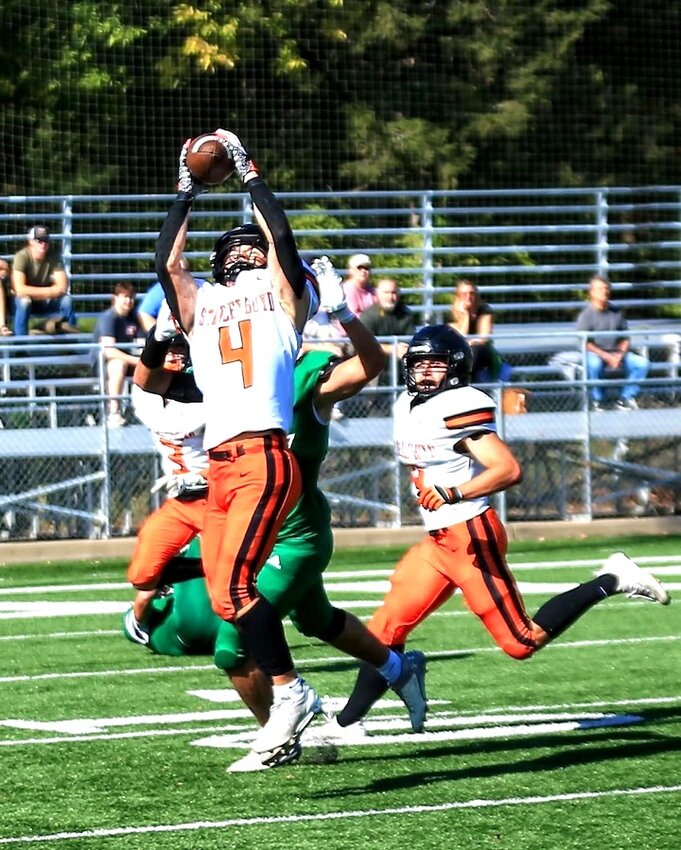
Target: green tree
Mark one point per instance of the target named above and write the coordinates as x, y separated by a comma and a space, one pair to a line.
98, 96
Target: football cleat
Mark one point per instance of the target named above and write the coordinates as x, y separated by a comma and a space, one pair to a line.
634, 581
252, 761
411, 688
292, 711
133, 630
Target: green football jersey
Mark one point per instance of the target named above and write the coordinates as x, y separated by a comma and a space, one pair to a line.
309, 439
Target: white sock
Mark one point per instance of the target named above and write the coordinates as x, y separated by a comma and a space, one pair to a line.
296, 687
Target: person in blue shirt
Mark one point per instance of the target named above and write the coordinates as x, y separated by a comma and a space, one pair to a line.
149, 307
117, 325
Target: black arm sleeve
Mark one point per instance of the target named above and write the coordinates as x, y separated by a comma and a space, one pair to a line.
284, 243
154, 352
164, 245
183, 388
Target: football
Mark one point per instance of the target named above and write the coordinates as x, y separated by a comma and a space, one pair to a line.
208, 160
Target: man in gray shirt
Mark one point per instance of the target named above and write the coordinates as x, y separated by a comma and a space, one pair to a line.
609, 352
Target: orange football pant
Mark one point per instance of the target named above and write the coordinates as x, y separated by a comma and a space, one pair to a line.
161, 536
470, 556
252, 485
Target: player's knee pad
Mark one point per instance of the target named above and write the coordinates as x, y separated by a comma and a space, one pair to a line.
228, 651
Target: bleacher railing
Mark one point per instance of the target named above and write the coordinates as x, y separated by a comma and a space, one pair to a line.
531, 250
65, 473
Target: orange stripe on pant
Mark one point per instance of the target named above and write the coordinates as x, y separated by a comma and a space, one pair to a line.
472, 557
161, 536
252, 486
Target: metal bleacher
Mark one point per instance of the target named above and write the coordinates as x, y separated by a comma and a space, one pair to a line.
530, 251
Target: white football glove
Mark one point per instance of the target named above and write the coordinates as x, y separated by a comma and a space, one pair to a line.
243, 162
187, 485
132, 629
185, 179
166, 327
331, 295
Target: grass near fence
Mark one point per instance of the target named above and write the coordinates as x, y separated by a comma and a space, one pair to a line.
107, 746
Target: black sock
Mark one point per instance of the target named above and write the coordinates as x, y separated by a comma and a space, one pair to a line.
369, 687
262, 636
559, 613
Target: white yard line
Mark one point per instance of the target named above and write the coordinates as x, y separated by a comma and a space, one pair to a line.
57, 635
32, 590
662, 564
200, 826
313, 662
21, 610
614, 606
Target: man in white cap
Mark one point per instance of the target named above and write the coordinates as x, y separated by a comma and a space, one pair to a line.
40, 286
359, 293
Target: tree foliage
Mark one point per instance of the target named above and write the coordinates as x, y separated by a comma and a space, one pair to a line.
341, 94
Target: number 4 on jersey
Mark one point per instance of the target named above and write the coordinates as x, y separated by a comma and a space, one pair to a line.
242, 353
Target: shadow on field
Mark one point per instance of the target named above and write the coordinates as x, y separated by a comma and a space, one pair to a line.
351, 663
595, 746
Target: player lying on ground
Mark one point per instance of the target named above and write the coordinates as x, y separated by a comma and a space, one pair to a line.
445, 432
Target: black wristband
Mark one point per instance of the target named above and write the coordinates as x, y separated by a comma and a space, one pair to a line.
154, 352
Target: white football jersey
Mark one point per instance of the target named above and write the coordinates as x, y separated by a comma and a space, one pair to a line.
177, 428
426, 436
243, 348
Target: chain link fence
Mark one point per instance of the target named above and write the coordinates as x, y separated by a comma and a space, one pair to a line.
65, 474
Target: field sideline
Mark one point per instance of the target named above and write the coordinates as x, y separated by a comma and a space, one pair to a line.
107, 746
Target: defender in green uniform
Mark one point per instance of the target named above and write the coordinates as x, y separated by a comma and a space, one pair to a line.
182, 621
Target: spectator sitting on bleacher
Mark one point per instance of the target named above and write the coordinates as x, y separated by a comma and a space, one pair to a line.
5, 273
153, 298
359, 293
473, 318
609, 352
119, 324
389, 316
41, 287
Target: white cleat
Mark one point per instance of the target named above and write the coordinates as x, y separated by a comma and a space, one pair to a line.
293, 708
634, 581
252, 761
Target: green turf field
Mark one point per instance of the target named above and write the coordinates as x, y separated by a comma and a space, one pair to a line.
107, 746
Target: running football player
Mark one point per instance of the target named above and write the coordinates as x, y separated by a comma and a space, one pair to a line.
445, 432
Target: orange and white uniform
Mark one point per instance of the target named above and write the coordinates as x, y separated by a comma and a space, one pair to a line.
244, 348
466, 543
424, 439
177, 428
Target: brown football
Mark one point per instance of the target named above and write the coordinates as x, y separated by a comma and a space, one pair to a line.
208, 160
